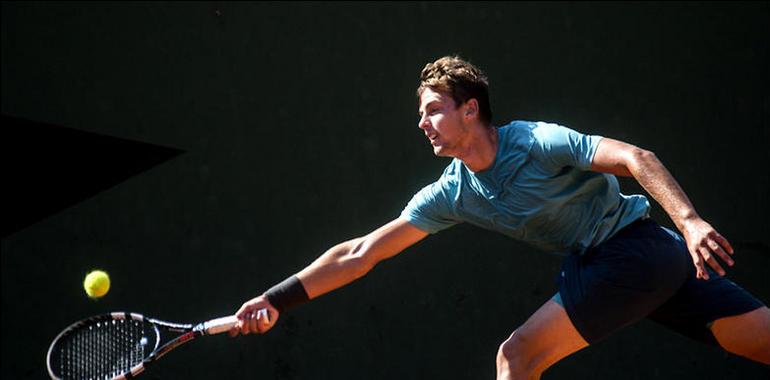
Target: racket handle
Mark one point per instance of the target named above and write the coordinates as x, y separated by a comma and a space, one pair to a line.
219, 325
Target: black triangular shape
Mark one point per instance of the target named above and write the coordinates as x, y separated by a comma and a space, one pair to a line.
47, 168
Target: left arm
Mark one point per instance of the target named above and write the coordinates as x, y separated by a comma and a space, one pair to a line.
703, 241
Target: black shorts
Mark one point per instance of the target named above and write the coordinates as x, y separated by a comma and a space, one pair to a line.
643, 271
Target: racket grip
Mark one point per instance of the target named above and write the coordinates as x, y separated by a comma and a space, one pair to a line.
219, 325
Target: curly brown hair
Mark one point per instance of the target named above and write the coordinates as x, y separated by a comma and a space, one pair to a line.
460, 79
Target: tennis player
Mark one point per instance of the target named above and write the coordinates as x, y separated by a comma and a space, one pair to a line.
555, 189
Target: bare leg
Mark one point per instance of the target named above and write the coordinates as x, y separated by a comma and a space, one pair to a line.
747, 335
545, 338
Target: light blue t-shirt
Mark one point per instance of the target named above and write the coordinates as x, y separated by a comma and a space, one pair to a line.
539, 190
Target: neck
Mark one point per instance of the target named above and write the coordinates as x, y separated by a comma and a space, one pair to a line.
479, 153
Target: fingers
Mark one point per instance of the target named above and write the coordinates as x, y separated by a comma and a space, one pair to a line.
723, 243
711, 261
700, 268
246, 324
259, 321
264, 316
252, 322
256, 316
241, 314
705, 254
706, 245
244, 310
716, 248
715, 244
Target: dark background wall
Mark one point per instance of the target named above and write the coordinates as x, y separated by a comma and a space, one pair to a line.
297, 124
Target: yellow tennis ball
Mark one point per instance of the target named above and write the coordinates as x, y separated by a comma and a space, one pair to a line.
97, 284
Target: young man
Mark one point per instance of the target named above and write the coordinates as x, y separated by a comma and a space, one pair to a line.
555, 189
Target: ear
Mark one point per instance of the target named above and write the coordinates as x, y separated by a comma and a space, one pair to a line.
471, 109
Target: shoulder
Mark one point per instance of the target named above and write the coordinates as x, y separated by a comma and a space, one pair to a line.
518, 127
452, 175
545, 131
546, 135
518, 135
562, 146
438, 194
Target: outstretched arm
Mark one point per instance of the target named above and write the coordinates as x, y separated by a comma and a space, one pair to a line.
703, 241
353, 259
337, 267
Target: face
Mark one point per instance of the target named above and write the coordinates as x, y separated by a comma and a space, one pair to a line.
442, 122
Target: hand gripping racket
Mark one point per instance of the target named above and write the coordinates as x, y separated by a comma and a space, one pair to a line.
120, 345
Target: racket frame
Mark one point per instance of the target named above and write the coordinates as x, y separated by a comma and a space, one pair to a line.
188, 332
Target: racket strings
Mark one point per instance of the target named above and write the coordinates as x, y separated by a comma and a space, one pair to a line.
105, 349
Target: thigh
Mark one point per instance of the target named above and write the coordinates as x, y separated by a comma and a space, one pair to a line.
623, 280
547, 337
699, 304
747, 334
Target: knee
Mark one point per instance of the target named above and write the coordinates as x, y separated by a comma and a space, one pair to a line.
514, 358
507, 350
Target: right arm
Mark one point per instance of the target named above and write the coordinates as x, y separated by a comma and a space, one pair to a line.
351, 260
337, 267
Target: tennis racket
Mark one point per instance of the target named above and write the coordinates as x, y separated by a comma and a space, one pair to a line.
120, 345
